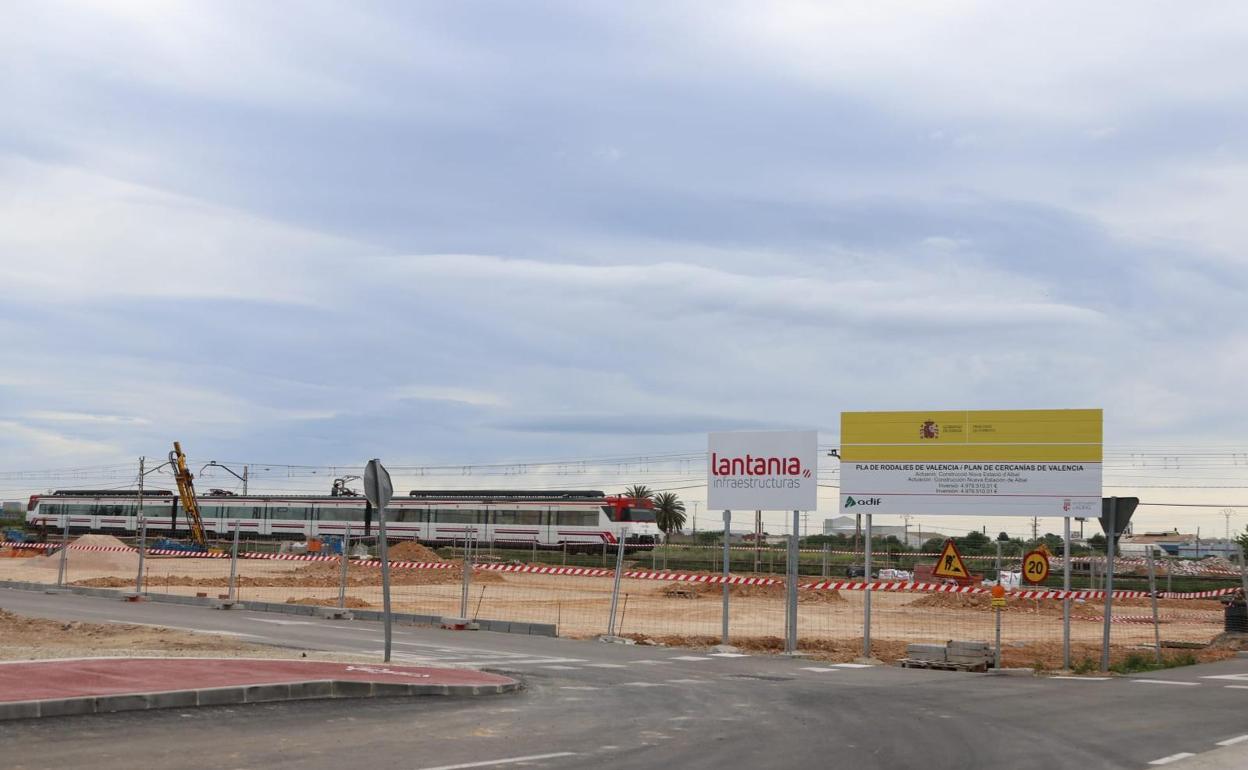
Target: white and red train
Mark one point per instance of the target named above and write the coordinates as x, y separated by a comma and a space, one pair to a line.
550, 518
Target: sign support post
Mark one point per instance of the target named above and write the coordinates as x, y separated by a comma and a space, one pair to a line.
138, 580
1109, 581
790, 642
1152, 592
234, 565
615, 588
727, 524
1066, 601
378, 489
866, 595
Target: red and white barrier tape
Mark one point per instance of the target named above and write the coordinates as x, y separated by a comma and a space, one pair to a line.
682, 577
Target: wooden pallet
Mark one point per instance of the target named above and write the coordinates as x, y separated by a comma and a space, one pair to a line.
942, 665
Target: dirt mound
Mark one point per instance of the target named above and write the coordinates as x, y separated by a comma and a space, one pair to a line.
101, 561
352, 602
23, 637
410, 550
682, 590
315, 575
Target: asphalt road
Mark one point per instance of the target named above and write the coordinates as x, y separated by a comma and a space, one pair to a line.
593, 704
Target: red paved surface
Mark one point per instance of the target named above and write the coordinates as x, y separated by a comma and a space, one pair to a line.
43, 680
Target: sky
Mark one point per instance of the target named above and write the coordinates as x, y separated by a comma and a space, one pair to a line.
311, 233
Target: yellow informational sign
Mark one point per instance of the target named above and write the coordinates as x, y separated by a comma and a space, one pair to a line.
950, 564
1034, 462
998, 600
1036, 566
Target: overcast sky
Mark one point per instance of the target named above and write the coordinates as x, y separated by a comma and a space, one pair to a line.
461, 232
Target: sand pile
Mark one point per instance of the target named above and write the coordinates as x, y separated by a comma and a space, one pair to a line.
695, 590
410, 550
315, 575
102, 561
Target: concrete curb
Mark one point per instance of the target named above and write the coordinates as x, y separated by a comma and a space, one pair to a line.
311, 610
323, 689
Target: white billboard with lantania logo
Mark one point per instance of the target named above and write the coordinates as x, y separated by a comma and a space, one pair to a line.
762, 470
1034, 462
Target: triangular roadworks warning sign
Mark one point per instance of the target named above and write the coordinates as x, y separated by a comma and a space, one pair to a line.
950, 564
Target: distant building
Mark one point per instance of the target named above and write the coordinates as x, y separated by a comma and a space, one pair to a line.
845, 525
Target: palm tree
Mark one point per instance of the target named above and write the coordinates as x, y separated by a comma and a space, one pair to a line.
669, 513
639, 492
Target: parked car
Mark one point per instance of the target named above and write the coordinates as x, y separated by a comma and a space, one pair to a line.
855, 571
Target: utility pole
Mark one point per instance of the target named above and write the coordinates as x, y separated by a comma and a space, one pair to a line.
905, 537
1035, 529
1227, 513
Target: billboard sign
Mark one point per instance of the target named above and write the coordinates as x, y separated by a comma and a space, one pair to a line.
762, 470
1036, 462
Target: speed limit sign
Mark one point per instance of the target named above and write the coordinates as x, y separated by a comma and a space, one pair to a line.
1036, 566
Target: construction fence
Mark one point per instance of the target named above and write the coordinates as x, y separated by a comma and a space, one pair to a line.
838, 616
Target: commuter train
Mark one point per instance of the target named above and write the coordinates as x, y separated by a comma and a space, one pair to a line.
549, 518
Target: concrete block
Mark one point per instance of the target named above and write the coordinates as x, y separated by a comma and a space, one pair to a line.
333, 613
932, 652
306, 690
27, 709
367, 615
391, 689
226, 604
259, 693
220, 696
349, 689
105, 704
541, 629
67, 707
520, 628
173, 700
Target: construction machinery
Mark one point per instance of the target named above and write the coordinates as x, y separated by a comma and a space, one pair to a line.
186, 490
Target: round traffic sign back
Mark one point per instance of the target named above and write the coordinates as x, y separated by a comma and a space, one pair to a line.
1036, 566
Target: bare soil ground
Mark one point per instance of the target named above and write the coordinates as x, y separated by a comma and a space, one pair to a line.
579, 606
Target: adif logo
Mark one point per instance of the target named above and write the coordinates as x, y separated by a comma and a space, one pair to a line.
850, 502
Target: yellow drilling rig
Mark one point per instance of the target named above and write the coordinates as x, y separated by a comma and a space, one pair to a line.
186, 490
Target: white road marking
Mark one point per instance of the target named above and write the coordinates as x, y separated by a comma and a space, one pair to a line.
606, 665
1083, 678
642, 684
688, 681
729, 655
654, 662
560, 668
1172, 758
580, 687
508, 761
691, 657
284, 622
1236, 686
852, 665
538, 661
1166, 681
1231, 677
1233, 741
817, 668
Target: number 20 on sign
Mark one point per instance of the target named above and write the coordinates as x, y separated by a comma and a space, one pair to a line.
1036, 566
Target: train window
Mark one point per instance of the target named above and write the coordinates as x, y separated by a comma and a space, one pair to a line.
565, 518
340, 513
285, 512
459, 516
528, 517
506, 517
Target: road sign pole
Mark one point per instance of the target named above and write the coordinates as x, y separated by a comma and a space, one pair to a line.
1066, 601
234, 565
727, 524
60, 570
138, 579
1109, 581
790, 643
827, 548
385, 576
1152, 592
997, 543
342, 582
866, 595
378, 488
